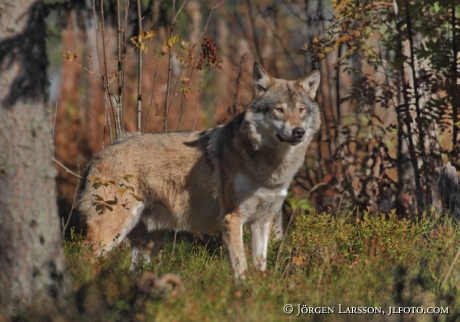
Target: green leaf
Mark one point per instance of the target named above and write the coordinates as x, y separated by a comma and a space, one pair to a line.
99, 208
111, 202
97, 197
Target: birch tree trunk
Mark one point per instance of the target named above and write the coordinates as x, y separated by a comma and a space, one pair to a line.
32, 268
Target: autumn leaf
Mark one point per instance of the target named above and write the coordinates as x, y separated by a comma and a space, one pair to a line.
171, 41
122, 191
148, 35
69, 56
139, 40
327, 178
298, 260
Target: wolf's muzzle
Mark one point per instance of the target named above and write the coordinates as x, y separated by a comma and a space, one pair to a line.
298, 133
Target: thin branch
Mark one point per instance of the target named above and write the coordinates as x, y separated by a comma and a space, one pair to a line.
254, 32
107, 93
139, 81
152, 93
453, 82
296, 211
178, 11
278, 255
197, 103
74, 203
67, 169
168, 86
450, 268
54, 121
125, 25
419, 121
209, 17
120, 67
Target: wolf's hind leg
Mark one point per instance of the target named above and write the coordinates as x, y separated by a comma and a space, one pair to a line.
111, 227
145, 244
277, 226
260, 232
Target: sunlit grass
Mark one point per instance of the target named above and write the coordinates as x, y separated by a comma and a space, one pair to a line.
326, 260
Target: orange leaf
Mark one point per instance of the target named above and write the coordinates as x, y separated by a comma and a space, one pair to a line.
327, 178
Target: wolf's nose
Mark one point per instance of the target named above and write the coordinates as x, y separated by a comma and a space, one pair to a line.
298, 132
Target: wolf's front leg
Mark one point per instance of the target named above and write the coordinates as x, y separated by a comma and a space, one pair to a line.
233, 237
260, 232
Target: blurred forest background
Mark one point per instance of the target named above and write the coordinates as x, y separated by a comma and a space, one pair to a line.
389, 96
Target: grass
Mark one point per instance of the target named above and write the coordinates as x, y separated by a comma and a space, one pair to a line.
326, 260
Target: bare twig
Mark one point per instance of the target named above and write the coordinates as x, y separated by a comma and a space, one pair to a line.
152, 94
108, 95
120, 62
197, 103
101, 136
168, 100
124, 58
254, 32
168, 86
294, 214
286, 269
451, 268
87, 70
209, 17
296, 211
316, 186
54, 121
74, 203
139, 81
341, 199
174, 243
104, 79
67, 169
196, 57
178, 11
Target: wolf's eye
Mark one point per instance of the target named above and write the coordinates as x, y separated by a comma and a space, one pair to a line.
279, 109
301, 109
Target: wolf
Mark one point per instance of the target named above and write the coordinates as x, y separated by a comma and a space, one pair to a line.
216, 180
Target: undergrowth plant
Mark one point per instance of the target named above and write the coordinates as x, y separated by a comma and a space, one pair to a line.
326, 260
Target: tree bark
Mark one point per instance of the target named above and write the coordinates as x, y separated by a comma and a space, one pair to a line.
447, 191
32, 267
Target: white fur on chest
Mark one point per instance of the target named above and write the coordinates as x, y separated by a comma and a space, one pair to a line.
256, 202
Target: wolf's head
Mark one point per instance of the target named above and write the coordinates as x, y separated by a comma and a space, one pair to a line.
283, 112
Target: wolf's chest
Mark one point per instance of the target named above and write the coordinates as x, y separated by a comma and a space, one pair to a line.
255, 201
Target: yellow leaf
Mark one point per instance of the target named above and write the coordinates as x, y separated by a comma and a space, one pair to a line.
69, 56
171, 41
184, 45
149, 35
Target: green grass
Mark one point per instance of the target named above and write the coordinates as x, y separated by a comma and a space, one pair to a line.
366, 261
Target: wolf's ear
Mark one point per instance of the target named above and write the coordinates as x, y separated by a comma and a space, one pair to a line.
310, 83
262, 80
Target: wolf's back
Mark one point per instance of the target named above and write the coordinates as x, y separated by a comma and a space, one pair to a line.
170, 171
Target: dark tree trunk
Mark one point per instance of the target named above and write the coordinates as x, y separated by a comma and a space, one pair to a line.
447, 191
32, 263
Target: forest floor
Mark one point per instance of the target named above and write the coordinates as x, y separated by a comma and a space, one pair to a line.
339, 267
